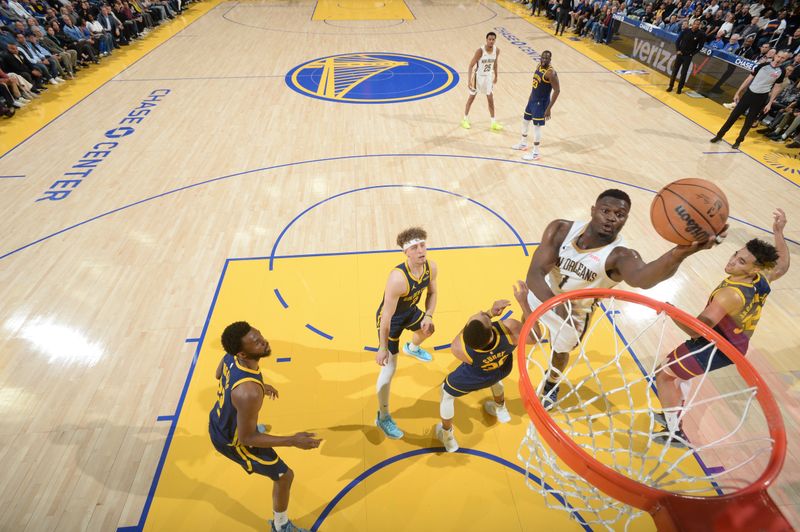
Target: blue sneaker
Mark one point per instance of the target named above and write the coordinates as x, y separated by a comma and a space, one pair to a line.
389, 427
288, 527
419, 354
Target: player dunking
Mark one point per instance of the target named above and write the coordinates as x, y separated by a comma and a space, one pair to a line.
399, 311
486, 351
540, 105
482, 76
733, 311
575, 255
233, 421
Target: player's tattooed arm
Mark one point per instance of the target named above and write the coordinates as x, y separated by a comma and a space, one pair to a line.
544, 260
554, 96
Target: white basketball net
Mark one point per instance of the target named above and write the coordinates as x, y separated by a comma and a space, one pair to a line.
607, 404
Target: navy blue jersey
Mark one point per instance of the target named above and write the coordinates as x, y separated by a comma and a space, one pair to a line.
414, 291
499, 352
222, 419
540, 87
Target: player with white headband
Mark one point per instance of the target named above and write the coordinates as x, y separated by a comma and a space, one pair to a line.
399, 311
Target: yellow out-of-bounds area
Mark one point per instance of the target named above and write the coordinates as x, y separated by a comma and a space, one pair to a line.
362, 10
358, 479
706, 113
59, 99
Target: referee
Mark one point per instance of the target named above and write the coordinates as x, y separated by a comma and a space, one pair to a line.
756, 94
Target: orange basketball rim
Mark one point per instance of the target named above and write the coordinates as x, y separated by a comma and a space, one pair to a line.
747, 509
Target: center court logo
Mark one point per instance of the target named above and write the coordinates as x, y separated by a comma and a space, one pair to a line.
371, 78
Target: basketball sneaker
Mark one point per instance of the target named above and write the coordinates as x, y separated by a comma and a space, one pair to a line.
288, 527
663, 436
549, 395
519, 146
496, 126
498, 411
389, 427
531, 156
465, 124
418, 353
447, 438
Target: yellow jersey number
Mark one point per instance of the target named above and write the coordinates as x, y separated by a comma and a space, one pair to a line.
491, 366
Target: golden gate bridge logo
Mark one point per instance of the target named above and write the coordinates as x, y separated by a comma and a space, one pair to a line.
371, 78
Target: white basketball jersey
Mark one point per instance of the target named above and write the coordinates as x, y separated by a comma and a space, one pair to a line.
486, 62
581, 268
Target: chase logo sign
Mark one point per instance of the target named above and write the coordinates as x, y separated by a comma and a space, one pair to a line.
371, 78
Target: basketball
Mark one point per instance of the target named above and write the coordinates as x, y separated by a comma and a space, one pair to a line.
689, 210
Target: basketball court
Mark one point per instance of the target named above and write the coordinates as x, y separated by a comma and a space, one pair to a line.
283, 147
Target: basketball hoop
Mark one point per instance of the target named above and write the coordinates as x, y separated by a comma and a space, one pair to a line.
604, 422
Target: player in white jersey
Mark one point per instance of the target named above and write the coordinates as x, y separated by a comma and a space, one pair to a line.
482, 75
575, 255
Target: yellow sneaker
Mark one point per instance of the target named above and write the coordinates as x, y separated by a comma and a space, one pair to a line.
497, 126
465, 124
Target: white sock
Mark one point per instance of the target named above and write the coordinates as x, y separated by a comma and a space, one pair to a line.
672, 421
466, 117
413, 347
535, 148
385, 383
279, 519
685, 387
493, 122
537, 134
447, 408
526, 125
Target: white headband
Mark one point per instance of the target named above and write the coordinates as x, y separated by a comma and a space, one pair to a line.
413, 242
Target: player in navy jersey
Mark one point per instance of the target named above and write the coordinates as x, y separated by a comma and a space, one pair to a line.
733, 310
486, 351
545, 89
399, 311
233, 421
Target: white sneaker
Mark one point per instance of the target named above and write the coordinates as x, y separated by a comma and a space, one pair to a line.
498, 411
531, 156
447, 438
519, 146
18, 104
23, 100
60, 79
730, 105
53, 81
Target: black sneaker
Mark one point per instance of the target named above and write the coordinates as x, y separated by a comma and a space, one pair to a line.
663, 436
764, 131
735, 145
549, 395
715, 139
669, 89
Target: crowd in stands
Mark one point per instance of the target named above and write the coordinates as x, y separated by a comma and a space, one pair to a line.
46, 42
756, 31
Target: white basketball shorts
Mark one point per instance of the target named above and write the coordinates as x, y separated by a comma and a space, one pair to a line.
483, 84
564, 335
